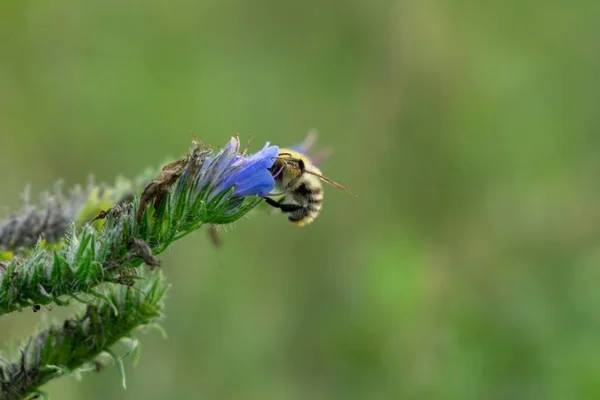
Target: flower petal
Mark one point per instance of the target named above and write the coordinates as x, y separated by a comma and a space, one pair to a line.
251, 175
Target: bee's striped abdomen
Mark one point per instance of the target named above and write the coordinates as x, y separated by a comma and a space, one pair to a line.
309, 195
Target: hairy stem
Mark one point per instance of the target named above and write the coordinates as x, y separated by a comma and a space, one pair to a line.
185, 195
60, 350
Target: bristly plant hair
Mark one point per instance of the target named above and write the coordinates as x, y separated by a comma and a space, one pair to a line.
98, 262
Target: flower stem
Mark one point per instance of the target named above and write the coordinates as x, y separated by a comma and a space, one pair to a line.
60, 350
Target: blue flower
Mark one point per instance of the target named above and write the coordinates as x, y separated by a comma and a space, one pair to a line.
247, 175
251, 175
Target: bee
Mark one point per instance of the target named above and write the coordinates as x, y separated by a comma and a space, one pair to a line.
300, 181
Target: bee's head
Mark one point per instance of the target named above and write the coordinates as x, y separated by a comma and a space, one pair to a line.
285, 167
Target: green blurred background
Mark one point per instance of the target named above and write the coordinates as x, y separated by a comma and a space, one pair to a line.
467, 268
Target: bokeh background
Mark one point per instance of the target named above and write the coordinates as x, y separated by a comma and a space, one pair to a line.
467, 268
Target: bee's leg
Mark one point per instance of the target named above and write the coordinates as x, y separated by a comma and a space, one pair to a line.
319, 157
271, 202
283, 207
290, 207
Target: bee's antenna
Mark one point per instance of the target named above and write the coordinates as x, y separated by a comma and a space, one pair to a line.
332, 183
287, 159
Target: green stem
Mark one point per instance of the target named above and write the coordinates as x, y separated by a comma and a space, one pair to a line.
63, 349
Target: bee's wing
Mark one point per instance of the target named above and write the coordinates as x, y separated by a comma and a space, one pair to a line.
305, 146
319, 157
310, 140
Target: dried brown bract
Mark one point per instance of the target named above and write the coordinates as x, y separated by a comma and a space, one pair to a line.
158, 187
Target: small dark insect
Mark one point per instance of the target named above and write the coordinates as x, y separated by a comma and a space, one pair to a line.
36, 307
101, 215
70, 325
115, 210
213, 234
98, 366
144, 251
127, 277
125, 281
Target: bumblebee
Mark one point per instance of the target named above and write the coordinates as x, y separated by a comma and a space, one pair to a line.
300, 182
